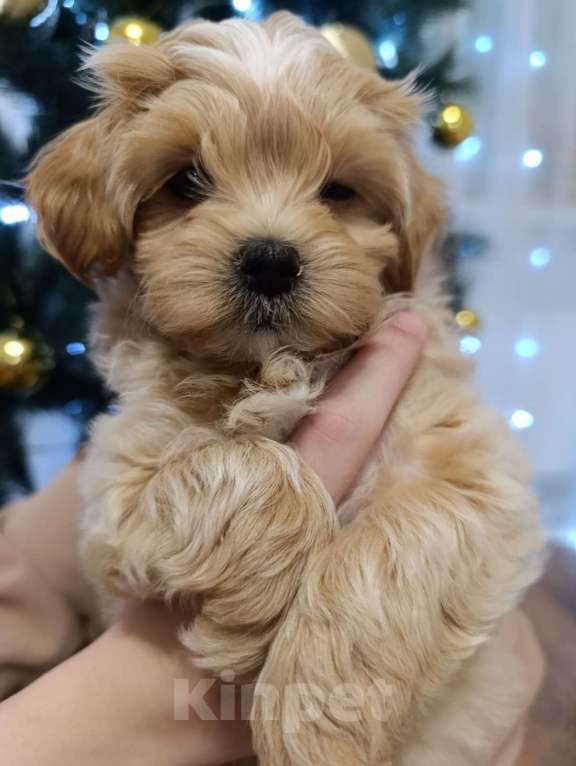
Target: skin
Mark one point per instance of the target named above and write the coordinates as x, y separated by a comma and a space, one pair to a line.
113, 702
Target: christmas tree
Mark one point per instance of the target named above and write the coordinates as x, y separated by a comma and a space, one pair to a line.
43, 315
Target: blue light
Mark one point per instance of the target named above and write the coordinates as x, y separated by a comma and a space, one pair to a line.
242, 6
399, 19
81, 18
73, 407
388, 53
101, 31
538, 59
68, 3
74, 349
532, 158
484, 44
527, 348
570, 538
469, 148
520, 420
470, 344
14, 213
540, 257
44, 15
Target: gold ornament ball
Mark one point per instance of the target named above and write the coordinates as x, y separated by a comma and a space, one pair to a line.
23, 363
134, 30
351, 43
19, 10
453, 125
467, 319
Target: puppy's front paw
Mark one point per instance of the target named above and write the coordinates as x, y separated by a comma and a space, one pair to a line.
283, 517
231, 524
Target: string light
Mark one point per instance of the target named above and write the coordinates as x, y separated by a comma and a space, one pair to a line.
526, 348
484, 44
74, 349
50, 7
540, 257
469, 148
538, 59
470, 344
101, 31
520, 420
242, 6
14, 213
532, 158
388, 53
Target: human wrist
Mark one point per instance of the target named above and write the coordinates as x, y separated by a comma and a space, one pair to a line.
180, 733
116, 703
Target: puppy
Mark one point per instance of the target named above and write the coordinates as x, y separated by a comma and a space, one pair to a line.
247, 204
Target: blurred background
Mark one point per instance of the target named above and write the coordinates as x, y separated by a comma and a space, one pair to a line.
500, 131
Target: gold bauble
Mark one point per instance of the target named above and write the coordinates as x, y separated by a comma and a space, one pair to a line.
132, 29
351, 43
19, 10
23, 362
452, 126
467, 319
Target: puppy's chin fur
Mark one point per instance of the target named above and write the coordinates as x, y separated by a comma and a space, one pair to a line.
192, 491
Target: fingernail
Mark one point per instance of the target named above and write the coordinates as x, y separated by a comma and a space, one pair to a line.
410, 322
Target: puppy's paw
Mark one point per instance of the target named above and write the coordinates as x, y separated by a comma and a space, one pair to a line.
258, 562
232, 525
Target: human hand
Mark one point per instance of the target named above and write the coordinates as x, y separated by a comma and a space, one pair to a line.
337, 439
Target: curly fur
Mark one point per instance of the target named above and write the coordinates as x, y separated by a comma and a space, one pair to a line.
193, 490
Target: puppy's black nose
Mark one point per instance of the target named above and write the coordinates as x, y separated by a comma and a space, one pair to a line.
268, 266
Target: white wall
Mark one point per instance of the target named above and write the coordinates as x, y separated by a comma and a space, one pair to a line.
518, 107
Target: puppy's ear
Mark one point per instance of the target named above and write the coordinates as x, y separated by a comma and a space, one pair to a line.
127, 74
399, 106
77, 223
67, 183
419, 227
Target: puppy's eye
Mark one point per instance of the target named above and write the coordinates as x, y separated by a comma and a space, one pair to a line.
192, 184
333, 191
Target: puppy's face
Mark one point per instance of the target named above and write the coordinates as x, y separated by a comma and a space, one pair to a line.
260, 187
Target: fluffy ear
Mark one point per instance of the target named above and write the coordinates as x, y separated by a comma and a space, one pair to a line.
120, 73
399, 106
77, 223
419, 227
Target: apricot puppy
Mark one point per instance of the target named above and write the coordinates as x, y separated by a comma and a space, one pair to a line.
248, 206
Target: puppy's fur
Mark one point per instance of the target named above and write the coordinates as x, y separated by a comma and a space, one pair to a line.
191, 489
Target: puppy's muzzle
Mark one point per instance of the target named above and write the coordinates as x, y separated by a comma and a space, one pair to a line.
268, 267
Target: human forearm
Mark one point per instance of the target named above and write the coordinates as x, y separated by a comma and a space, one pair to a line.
114, 703
44, 527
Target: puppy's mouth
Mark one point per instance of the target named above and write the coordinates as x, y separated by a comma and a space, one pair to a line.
262, 314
